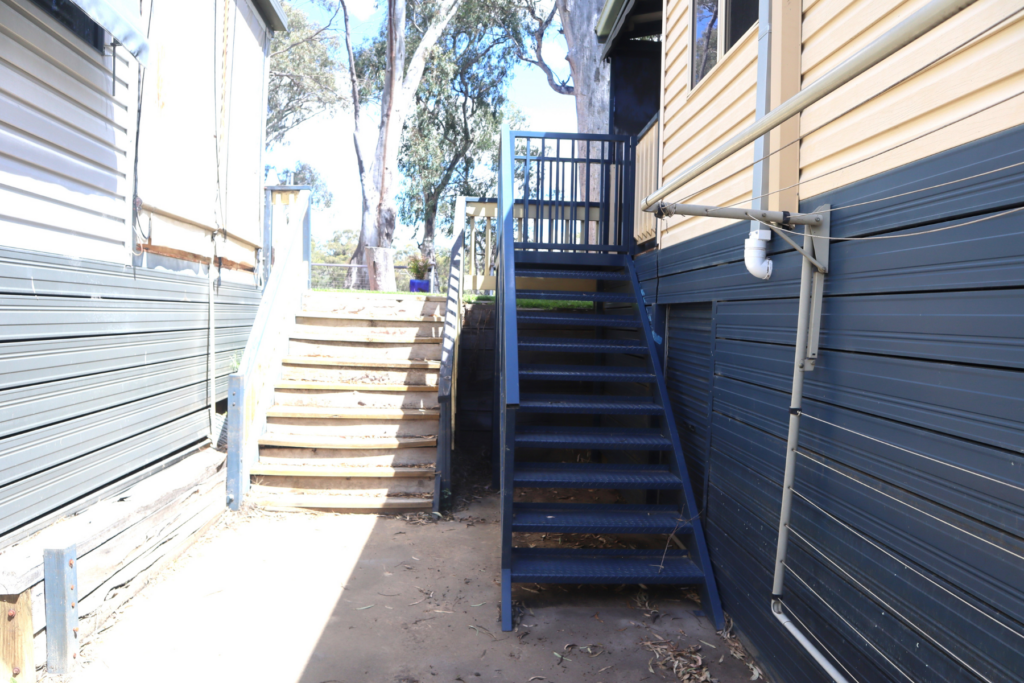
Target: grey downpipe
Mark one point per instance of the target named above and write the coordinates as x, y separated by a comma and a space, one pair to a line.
755, 247
899, 36
792, 438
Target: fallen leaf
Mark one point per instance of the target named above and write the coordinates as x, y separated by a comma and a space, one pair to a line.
362, 608
709, 644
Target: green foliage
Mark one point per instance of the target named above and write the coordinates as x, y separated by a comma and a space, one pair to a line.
303, 62
338, 249
450, 141
419, 267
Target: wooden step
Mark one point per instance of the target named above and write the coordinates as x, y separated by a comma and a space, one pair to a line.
351, 386
352, 457
380, 320
367, 335
303, 441
404, 400
340, 502
364, 375
340, 471
330, 361
329, 428
328, 412
368, 483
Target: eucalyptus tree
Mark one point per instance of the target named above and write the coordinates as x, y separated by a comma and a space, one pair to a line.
392, 90
449, 143
303, 63
589, 75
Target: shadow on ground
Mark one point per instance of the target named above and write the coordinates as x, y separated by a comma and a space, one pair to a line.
421, 605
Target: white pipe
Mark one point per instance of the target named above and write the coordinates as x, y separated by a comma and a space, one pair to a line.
755, 257
899, 36
813, 651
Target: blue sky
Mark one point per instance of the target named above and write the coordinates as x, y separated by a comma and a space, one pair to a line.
326, 142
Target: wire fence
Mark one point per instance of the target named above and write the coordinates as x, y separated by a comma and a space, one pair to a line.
339, 276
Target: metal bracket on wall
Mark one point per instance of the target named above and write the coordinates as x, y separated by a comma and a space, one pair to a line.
60, 581
819, 246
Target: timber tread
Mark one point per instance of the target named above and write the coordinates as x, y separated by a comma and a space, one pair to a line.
560, 344
526, 316
334, 362
604, 566
351, 386
589, 405
352, 503
585, 373
383, 319
263, 470
572, 518
339, 443
329, 412
594, 476
358, 335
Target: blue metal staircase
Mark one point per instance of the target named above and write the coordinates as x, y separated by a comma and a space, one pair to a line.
580, 399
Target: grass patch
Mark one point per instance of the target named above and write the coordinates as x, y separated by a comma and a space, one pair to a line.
543, 304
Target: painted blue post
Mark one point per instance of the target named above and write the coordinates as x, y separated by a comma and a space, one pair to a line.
307, 244
60, 590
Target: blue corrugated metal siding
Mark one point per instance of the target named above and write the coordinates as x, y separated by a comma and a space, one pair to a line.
688, 374
907, 548
102, 372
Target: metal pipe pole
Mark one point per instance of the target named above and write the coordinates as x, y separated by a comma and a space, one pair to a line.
802, 325
780, 217
899, 36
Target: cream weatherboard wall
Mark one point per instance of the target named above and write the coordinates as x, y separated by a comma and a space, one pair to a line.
918, 118
967, 95
696, 120
201, 139
66, 139
68, 118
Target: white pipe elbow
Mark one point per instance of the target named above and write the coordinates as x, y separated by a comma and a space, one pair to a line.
755, 256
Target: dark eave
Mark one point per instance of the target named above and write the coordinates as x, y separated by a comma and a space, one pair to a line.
637, 19
272, 13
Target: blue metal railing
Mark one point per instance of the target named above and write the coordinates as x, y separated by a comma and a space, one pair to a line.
574, 192
506, 348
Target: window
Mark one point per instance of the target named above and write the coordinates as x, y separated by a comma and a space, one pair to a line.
76, 21
717, 26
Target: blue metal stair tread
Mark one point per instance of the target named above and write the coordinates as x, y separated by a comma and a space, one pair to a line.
572, 518
583, 345
559, 295
557, 565
568, 259
598, 404
585, 373
593, 476
585, 319
572, 274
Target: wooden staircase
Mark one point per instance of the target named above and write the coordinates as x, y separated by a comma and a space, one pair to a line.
355, 417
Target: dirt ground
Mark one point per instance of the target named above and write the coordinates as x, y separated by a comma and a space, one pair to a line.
319, 598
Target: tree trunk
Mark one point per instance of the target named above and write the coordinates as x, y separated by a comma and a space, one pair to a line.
591, 76
380, 268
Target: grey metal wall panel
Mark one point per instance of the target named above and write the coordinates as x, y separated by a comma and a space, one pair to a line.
27, 317
102, 373
35, 496
983, 327
907, 540
39, 274
688, 376
37, 405
45, 360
